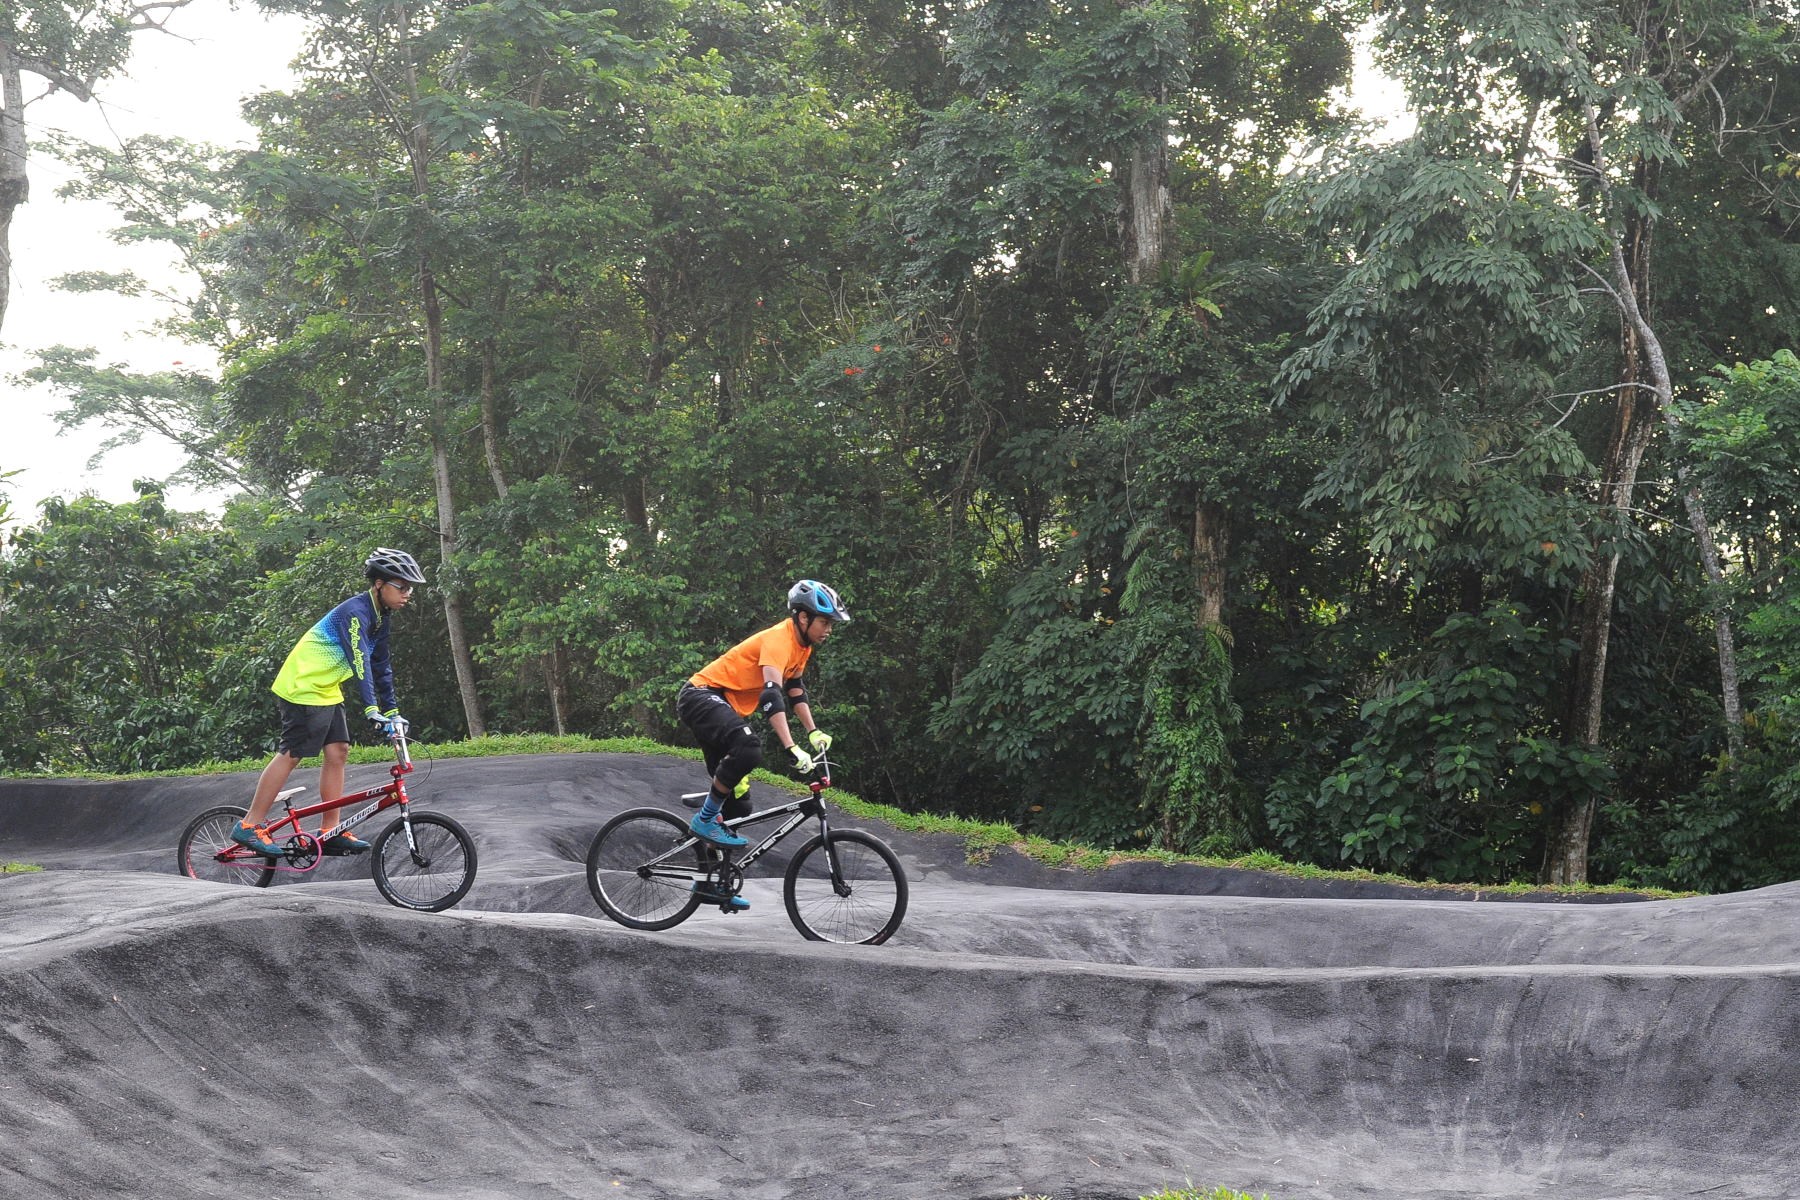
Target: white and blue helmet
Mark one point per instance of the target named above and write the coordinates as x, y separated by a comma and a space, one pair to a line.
809, 595
388, 563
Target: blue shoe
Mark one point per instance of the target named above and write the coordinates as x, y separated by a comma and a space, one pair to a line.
256, 841
341, 845
708, 829
728, 903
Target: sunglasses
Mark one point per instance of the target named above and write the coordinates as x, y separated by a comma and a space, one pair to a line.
404, 588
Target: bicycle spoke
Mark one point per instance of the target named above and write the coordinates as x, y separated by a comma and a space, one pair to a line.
863, 903
207, 852
437, 866
624, 880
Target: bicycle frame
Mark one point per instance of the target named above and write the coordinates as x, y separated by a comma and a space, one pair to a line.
796, 812
391, 794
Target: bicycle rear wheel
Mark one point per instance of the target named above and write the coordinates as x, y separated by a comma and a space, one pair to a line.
863, 904
207, 852
635, 873
430, 874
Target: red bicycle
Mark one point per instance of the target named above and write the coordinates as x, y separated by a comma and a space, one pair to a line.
423, 861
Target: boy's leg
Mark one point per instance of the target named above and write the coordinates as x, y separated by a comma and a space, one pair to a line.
273, 778
250, 833
732, 750
331, 783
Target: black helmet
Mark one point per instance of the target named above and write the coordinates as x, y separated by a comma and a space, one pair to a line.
387, 563
809, 595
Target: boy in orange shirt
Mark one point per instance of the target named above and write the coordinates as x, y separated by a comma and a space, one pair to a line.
762, 674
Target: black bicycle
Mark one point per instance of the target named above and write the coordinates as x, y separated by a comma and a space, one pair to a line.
843, 885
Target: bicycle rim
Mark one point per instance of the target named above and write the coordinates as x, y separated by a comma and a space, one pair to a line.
432, 873
624, 882
872, 901
207, 852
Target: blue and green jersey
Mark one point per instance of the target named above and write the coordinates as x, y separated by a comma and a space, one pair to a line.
349, 642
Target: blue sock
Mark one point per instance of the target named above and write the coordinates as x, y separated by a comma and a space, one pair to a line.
715, 803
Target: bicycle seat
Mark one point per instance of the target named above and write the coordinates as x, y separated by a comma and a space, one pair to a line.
694, 799
282, 796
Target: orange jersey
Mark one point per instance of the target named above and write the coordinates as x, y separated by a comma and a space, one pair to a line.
738, 671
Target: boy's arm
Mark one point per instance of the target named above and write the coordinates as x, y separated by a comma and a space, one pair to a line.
359, 644
777, 707
383, 671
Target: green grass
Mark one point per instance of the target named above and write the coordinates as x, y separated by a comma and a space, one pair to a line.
17, 868
981, 839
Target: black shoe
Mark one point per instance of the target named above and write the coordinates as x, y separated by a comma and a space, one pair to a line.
343, 845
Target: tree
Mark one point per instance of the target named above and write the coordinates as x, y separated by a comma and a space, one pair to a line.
1079, 218
71, 47
149, 585
1531, 186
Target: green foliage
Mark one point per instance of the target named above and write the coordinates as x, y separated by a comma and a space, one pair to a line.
728, 296
109, 618
1455, 759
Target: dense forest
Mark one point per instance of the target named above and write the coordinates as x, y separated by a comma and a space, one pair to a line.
1203, 471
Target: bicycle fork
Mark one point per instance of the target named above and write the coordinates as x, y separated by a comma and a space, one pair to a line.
833, 868
420, 860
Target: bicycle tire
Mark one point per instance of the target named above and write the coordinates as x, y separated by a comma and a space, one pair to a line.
206, 837
618, 869
876, 905
432, 880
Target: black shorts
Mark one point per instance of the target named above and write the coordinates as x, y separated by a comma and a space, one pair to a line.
307, 729
732, 748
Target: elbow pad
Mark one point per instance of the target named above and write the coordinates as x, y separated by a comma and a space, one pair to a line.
771, 701
796, 693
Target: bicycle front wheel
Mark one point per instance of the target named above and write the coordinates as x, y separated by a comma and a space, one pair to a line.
207, 852
638, 876
433, 871
861, 902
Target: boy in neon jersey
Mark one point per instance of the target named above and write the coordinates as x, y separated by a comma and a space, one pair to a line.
762, 674
349, 642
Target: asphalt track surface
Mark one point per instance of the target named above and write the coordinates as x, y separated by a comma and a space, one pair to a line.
1027, 1032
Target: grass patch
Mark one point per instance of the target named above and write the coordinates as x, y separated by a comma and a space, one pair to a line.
18, 868
981, 839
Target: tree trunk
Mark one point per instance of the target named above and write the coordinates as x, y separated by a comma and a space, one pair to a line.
1211, 542
15, 186
490, 424
446, 502
1148, 209
1571, 820
417, 141
1648, 385
1637, 402
553, 681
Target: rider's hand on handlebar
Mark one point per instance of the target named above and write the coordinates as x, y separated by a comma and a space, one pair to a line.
803, 761
387, 724
821, 741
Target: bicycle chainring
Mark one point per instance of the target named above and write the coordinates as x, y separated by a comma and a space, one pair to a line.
726, 879
302, 851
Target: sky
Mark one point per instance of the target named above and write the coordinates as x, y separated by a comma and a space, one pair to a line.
188, 86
